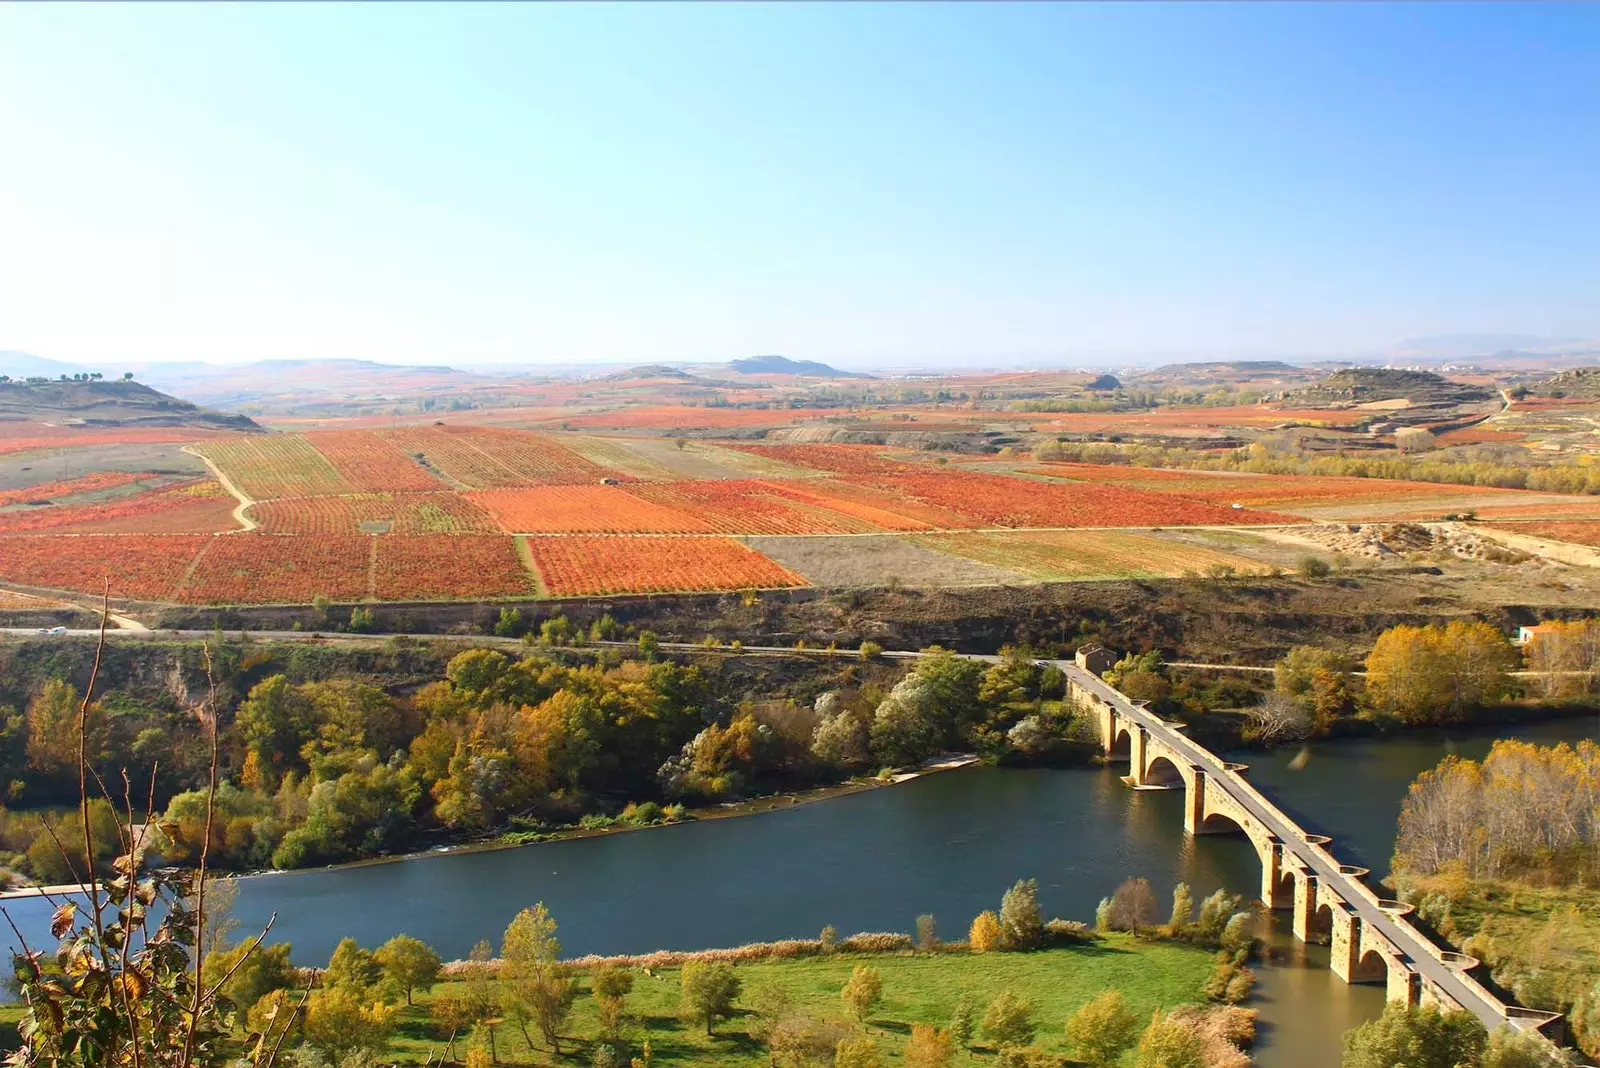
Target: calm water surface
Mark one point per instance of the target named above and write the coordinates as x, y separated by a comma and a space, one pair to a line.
949, 844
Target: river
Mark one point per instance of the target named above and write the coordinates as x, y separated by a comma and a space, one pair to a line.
947, 844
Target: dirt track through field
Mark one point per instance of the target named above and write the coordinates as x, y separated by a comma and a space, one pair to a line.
240, 513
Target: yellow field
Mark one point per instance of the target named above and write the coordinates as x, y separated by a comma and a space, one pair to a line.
1053, 555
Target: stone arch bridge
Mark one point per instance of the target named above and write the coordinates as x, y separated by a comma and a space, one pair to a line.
1370, 937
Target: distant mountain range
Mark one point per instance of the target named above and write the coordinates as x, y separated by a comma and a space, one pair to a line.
782, 365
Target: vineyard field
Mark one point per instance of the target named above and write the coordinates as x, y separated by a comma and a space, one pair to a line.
280, 569
585, 510
591, 566
276, 465
200, 506
449, 568
371, 463
374, 513
474, 457
139, 566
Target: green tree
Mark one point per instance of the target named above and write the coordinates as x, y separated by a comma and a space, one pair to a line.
963, 1021
1415, 1037
1021, 924
927, 933
709, 991
248, 974
409, 964
862, 991
352, 968
1008, 1021
1103, 1029
53, 730
1517, 1049
611, 986
535, 980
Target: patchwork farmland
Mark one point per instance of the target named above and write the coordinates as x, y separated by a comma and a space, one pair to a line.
439, 512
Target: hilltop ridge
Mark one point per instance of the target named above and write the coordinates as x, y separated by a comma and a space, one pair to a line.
99, 403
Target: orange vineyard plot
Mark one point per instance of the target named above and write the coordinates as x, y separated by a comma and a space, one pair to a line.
996, 500
1260, 490
374, 513
370, 463
837, 497
273, 569
449, 568
749, 506
18, 437
143, 567
274, 465
585, 510
197, 507
579, 566
840, 459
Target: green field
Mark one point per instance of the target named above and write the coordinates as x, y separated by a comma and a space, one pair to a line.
916, 989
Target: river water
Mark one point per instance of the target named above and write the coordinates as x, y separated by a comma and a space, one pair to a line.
947, 844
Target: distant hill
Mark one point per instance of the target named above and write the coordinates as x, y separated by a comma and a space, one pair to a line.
1577, 382
1469, 346
27, 365
1363, 385
1247, 366
649, 370
1104, 384
782, 365
107, 404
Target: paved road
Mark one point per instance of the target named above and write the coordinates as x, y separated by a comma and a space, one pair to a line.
1407, 939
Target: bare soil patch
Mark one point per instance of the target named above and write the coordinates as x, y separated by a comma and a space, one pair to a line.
879, 561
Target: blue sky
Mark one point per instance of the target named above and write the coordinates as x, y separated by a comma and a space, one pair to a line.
862, 184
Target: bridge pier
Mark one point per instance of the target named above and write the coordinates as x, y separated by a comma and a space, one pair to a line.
1138, 748
1305, 907
1273, 895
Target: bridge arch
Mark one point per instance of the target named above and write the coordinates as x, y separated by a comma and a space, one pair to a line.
1162, 771
1121, 747
1372, 967
1319, 924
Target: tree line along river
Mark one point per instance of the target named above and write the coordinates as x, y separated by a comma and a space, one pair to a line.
947, 844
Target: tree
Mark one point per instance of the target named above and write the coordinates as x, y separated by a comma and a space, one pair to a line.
927, 933
985, 933
352, 969
53, 730
1518, 1049
1415, 1037
535, 980
862, 991
1008, 1021
709, 990
910, 724
1102, 1029
1182, 907
856, 1051
1279, 718
1021, 925
339, 1022
963, 1021
1133, 905
928, 1047
1215, 911
611, 986
248, 973
1434, 674
408, 963
1170, 1043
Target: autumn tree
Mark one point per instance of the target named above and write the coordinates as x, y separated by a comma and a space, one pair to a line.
1435, 674
1564, 656
963, 1021
1102, 1029
856, 1051
1174, 1043
928, 1047
709, 991
536, 983
862, 991
1008, 1021
408, 963
53, 730
1182, 907
985, 934
339, 1022
1133, 905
